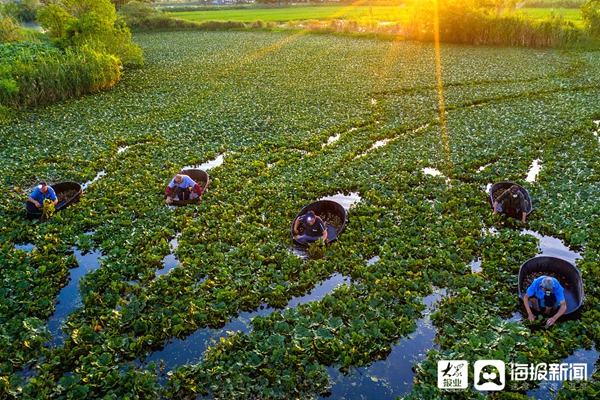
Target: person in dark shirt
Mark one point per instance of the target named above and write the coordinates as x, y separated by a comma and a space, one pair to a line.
314, 228
512, 202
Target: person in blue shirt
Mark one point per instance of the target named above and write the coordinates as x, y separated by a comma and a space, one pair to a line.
183, 186
35, 201
549, 293
313, 228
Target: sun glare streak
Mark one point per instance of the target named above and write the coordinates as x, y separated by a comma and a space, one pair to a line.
288, 39
345, 9
438, 71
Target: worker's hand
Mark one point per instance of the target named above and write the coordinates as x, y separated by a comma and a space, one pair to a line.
38, 205
524, 222
530, 316
495, 212
550, 321
168, 199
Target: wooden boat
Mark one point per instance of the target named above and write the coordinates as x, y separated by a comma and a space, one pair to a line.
565, 272
200, 177
67, 193
333, 215
500, 187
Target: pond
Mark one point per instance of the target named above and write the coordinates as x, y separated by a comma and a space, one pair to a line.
551, 246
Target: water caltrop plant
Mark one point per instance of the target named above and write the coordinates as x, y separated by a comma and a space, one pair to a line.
296, 118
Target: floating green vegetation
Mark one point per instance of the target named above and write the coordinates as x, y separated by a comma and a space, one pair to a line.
270, 101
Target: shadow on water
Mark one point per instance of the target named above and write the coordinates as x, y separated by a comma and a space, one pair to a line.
69, 299
190, 350
393, 376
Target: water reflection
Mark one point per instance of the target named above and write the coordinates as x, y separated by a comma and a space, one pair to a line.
431, 171
170, 261
25, 247
476, 266
393, 376
190, 350
375, 145
373, 260
98, 176
546, 387
345, 201
483, 167
300, 252
551, 246
209, 164
332, 139
69, 299
534, 170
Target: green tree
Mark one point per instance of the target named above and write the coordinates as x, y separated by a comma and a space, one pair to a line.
590, 13
92, 23
54, 19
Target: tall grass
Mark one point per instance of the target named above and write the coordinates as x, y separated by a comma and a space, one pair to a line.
38, 74
507, 29
9, 29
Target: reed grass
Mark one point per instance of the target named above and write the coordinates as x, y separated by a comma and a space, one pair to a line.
33, 78
9, 29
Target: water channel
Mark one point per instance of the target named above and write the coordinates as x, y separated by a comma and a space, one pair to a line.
394, 376
69, 298
177, 352
209, 164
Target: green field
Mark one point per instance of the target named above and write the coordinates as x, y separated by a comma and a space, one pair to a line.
358, 13
569, 14
297, 117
